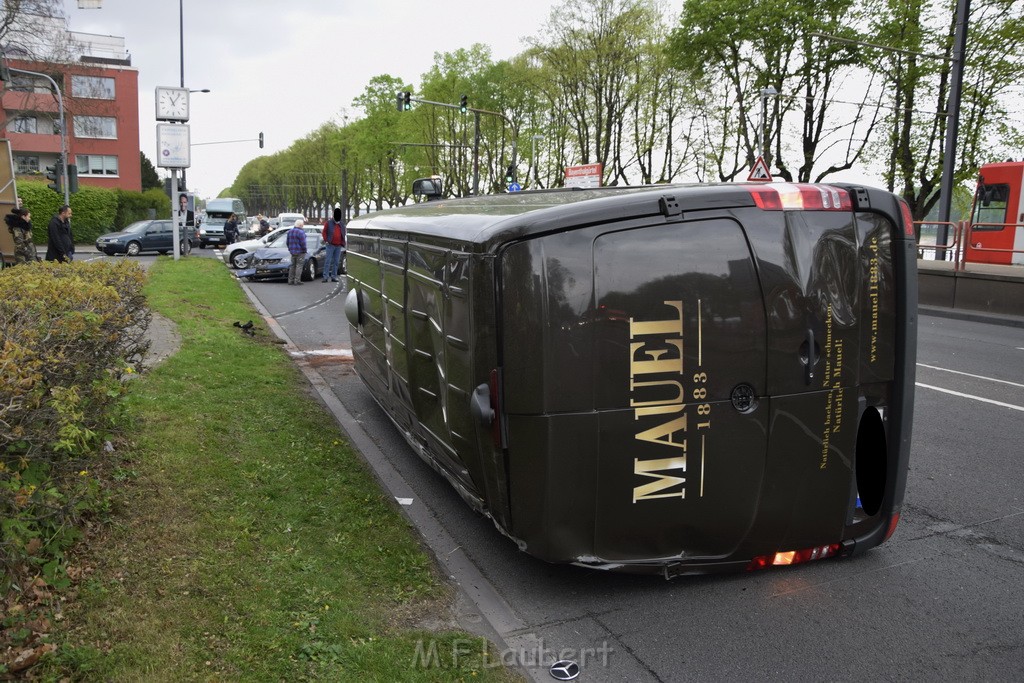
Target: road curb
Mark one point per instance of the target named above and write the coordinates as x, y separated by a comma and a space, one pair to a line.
972, 316
494, 618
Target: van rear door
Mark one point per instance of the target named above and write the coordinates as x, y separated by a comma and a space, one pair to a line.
633, 361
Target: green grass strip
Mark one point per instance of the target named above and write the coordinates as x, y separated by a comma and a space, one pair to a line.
250, 542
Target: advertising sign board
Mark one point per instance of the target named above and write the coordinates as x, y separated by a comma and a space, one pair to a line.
588, 175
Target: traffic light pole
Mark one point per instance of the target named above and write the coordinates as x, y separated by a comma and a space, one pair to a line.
476, 133
63, 132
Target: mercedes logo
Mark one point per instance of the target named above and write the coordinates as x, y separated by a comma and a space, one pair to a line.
564, 670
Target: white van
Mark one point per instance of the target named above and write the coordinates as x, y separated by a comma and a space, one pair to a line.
287, 220
218, 210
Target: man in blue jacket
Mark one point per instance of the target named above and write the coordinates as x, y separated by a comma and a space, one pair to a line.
297, 248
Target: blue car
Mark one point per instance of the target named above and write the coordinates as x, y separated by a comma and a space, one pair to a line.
152, 235
271, 262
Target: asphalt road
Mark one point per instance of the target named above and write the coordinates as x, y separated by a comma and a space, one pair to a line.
941, 600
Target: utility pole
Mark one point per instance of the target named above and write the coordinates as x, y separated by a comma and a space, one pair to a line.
963, 11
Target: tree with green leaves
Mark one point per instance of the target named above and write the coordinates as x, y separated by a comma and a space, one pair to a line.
916, 87
150, 178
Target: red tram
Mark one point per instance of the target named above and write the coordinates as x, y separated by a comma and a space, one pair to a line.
996, 231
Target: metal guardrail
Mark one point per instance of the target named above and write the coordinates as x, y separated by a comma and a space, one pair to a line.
963, 234
955, 228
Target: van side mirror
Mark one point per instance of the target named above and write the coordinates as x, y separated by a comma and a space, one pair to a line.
428, 188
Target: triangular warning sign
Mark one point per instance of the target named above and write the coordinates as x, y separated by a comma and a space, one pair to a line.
760, 171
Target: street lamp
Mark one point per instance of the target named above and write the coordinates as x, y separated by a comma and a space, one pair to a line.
765, 94
533, 153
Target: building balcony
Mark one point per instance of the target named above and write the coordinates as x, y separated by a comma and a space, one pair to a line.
32, 142
14, 100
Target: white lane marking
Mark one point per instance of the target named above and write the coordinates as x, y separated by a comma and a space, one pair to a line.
967, 374
976, 398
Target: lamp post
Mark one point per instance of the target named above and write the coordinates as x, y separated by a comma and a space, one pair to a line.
533, 153
63, 132
765, 94
181, 38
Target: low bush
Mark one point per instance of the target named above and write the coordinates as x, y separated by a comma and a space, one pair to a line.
71, 335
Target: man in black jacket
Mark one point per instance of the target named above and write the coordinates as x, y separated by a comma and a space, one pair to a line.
231, 229
59, 245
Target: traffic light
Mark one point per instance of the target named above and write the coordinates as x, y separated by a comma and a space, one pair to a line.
72, 178
261, 139
399, 101
407, 100
510, 174
55, 174
464, 104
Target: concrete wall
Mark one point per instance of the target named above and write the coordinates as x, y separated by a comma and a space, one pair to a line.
982, 287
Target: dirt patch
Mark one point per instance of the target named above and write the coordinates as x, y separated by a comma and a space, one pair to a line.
327, 361
164, 340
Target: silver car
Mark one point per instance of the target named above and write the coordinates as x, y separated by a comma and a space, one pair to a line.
235, 254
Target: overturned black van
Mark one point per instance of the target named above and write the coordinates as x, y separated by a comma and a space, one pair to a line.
680, 379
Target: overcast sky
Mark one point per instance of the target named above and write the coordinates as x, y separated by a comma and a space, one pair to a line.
287, 67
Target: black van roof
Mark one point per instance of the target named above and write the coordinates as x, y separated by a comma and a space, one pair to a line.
492, 219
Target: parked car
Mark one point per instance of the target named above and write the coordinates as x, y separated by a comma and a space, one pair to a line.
272, 262
237, 255
157, 235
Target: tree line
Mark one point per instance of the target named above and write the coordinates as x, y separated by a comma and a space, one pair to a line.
816, 87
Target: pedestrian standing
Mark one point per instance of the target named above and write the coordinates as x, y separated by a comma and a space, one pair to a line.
19, 222
297, 248
231, 229
334, 237
59, 244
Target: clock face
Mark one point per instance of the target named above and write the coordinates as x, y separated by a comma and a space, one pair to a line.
172, 104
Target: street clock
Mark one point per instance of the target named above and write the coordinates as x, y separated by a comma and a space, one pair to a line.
171, 104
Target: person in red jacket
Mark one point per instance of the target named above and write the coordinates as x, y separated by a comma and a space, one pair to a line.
334, 237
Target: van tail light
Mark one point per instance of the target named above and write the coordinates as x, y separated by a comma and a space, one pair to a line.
908, 218
788, 557
800, 197
893, 521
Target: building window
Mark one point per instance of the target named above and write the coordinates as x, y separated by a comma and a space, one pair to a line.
96, 164
95, 87
23, 124
26, 83
96, 127
27, 163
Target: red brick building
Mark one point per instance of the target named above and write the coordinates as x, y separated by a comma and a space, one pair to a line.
101, 109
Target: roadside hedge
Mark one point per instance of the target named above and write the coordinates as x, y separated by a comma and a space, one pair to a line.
95, 210
71, 336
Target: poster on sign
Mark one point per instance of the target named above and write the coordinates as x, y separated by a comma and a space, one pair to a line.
588, 175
